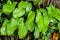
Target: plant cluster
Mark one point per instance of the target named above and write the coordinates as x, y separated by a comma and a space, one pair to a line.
23, 17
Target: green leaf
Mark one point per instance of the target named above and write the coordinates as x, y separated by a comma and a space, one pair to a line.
22, 29
54, 12
44, 38
39, 20
28, 7
36, 32
30, 21
9, 7
53, 27
12, 26
25, 5
30, 26
59, 26
21, 5
9, 2
38, 1
18, 13
3, 28
42, 20
35, 2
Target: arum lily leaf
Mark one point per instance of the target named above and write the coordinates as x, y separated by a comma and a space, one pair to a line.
28, 7
42, 20
18, 13
21, 5
36, 32
22, 29
12, 26
30, 21
39, 20
9, 7
54, 12
3, 28
25, 5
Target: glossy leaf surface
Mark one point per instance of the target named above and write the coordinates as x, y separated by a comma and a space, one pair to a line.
42, 20
36, 32
54, 12
12, 26
9, 7
30, 21
22, 29
18, 13
4, 27
25, 5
